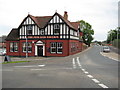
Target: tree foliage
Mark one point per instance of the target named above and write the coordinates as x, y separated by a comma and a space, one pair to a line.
113, 34
87, 30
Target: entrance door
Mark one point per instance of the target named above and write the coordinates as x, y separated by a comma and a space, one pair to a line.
40, 50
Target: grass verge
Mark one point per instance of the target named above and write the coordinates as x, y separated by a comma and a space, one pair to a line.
14, 62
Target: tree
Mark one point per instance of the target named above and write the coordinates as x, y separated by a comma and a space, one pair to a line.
112, 35
87, 30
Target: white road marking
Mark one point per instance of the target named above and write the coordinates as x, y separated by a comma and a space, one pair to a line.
83, 69
78, 61
90, 76
96, 81
103, 86
86, 72
109, 57
41, 65
30, 66
73, 61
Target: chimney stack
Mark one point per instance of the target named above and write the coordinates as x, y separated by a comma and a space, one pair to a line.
65, 15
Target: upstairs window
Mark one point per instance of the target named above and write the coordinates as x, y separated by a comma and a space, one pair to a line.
56, 29
29, 30
13, 47
56, 26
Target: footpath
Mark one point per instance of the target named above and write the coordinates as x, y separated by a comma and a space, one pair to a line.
113, 54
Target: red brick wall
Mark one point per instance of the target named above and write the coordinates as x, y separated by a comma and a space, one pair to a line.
78, 47
65, 48
8, 49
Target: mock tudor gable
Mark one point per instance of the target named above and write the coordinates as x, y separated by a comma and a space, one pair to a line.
59, 36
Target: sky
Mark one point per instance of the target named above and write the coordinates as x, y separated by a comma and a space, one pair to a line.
101, 14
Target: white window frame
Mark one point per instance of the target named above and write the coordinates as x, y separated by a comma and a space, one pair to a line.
14, 46
59, 47
29, 28
53, 46
24, 47
56, 26
42, 32
11, 46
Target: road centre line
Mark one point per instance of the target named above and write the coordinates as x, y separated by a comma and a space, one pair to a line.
85, 72
78, 61
90, 76
103, 86
96, 81
73, 61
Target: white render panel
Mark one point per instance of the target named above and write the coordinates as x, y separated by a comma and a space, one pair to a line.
51, 29
35, 30
71, 32
75, 33
61, 29
57, 19
48, 29
72, 37
67, 30
60, 20
25, 30
64, 29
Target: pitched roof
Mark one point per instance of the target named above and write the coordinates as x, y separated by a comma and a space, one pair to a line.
70, 23
41, 21
13, 35
75, 24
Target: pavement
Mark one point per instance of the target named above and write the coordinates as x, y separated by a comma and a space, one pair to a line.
113, 54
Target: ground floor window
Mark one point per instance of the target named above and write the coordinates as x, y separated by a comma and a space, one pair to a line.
56, 47
27, 47
73, 46
13, 47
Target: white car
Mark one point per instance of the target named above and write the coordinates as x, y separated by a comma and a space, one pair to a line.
106, 49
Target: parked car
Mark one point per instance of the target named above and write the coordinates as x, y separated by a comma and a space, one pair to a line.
106, 49
2, 51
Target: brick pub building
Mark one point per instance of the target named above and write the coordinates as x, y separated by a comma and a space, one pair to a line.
45, 36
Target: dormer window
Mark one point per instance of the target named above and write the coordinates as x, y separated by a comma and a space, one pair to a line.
29, 30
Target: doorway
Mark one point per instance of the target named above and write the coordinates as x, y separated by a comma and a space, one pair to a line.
40, 51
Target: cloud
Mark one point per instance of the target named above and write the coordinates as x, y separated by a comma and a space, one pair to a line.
101, 14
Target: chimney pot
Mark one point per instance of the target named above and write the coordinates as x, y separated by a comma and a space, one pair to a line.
65, 15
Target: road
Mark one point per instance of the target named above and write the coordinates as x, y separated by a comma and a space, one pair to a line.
88, 69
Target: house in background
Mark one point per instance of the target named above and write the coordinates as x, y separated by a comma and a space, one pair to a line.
45, 36
3, 41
